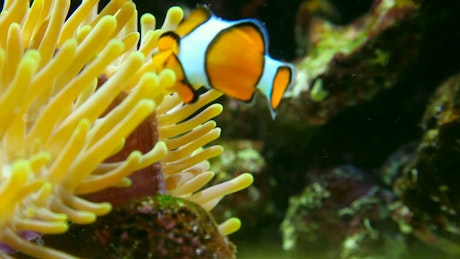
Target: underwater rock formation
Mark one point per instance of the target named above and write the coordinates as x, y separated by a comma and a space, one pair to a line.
157, 226
427, 183
368, 108
417, 148
342, 213
350, 64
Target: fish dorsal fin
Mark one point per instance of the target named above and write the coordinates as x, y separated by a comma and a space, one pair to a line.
198, 16
181, 86
235, 60
166, 57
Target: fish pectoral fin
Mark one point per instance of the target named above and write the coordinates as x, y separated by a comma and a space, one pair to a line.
160, 59
185, 91
168, 60
182, 85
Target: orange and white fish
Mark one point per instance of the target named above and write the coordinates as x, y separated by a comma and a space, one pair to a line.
230, 56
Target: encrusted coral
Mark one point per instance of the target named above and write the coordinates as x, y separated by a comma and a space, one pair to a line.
157, 226
57, 127
426, 182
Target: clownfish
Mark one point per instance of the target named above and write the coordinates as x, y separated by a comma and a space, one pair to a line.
230, 56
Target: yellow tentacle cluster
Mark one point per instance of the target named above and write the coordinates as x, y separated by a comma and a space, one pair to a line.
186, 129
56, 127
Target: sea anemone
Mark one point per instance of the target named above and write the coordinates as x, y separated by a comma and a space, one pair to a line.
59, 79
